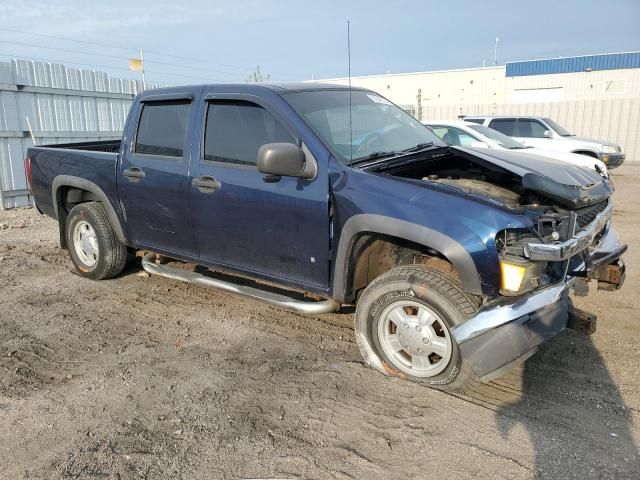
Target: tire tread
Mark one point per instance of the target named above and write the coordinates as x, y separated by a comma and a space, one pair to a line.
115, 252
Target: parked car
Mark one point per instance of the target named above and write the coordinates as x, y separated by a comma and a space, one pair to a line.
543, 132
469, 134
459, 261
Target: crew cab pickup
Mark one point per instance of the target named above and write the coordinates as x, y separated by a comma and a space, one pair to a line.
312, 197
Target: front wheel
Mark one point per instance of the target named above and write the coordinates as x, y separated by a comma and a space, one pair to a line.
93, 245
403, 326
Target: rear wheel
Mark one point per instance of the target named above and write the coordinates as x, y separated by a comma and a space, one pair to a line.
93, 245
403, 326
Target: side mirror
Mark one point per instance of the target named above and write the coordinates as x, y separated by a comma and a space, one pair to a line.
278, 160
548, 134
478, 144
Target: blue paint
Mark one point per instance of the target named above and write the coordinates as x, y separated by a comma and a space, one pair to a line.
610, 61
280, 231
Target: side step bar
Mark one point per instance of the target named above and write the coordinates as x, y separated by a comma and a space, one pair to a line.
282, 301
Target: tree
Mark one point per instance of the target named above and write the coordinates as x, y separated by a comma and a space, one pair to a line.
257, 77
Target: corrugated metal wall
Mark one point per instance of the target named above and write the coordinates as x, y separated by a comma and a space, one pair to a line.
609, 61
62, 105
616, 120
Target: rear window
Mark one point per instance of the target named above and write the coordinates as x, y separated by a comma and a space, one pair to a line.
479, 121
162, 128
504, 125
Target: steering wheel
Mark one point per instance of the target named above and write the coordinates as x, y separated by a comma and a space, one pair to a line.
370, 140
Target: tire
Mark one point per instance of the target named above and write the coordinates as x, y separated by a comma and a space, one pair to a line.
403, 327
93, 245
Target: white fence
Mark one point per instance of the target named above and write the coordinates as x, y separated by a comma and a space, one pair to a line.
610, 120
58, 105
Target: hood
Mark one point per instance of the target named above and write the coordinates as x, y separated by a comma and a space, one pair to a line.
572, 185
574, 158
599, 143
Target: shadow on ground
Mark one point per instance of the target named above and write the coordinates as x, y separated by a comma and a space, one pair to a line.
574, 413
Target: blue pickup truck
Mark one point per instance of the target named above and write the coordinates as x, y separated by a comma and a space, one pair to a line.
313, 196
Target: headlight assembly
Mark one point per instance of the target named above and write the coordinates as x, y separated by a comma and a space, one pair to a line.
609, 149
519, 275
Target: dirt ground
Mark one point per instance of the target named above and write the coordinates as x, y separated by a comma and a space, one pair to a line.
144, 377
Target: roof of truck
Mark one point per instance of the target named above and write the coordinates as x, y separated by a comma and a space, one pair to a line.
464, 117
248, 88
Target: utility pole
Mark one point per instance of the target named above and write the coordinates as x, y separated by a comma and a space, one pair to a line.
495, 52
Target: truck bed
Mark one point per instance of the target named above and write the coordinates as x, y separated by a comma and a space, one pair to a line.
112, 146
93, 162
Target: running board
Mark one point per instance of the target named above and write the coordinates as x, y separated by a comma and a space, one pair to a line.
282, 301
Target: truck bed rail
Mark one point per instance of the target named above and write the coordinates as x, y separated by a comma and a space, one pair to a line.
112, 146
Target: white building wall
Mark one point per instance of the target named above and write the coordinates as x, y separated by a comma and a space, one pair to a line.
600, 104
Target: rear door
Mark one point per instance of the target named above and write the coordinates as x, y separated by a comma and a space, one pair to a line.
153, 176
278, 230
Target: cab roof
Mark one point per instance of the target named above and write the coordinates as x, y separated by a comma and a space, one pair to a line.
255, 88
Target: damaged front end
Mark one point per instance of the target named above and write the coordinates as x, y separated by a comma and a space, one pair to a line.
569, 241
577, 243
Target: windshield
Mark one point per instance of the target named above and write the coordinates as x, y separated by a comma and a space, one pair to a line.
377, 126
500, 138
560, 130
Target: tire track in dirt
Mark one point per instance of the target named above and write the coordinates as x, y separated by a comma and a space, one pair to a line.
175, 381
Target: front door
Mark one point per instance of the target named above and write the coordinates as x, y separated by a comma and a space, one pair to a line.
531, 132
153, 179
278, 230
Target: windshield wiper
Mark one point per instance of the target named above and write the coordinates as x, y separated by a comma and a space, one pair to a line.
394, 154
520, 148
373, 156
418, 147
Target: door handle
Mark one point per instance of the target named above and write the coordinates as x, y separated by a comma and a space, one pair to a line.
206, 184
133, 173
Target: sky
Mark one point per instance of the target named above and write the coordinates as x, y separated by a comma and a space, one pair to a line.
223, 41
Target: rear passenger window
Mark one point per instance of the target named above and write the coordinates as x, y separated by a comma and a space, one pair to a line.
162, 128
236, 130
531, 128
504, 125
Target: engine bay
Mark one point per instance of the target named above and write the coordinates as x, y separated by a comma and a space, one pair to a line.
555, 212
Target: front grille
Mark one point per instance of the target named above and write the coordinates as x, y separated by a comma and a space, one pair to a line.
588, 214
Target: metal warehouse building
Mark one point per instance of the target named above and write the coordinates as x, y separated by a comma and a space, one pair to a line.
595, 95
55, 104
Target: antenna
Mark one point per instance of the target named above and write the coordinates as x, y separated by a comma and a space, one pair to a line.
349, 68
495, 52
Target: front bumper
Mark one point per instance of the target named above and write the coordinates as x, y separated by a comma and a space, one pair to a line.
502, 335
560, 251
612, 160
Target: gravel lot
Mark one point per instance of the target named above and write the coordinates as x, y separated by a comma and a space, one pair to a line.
144, 377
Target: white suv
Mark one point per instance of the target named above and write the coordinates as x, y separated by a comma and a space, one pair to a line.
468, 134
543, 132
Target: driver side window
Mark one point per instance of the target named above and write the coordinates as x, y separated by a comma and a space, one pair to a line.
464, 138
530, 129
235, 131
454, 136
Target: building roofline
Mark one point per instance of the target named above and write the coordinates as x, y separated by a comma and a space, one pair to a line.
424, 72
575, 56
381, 75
